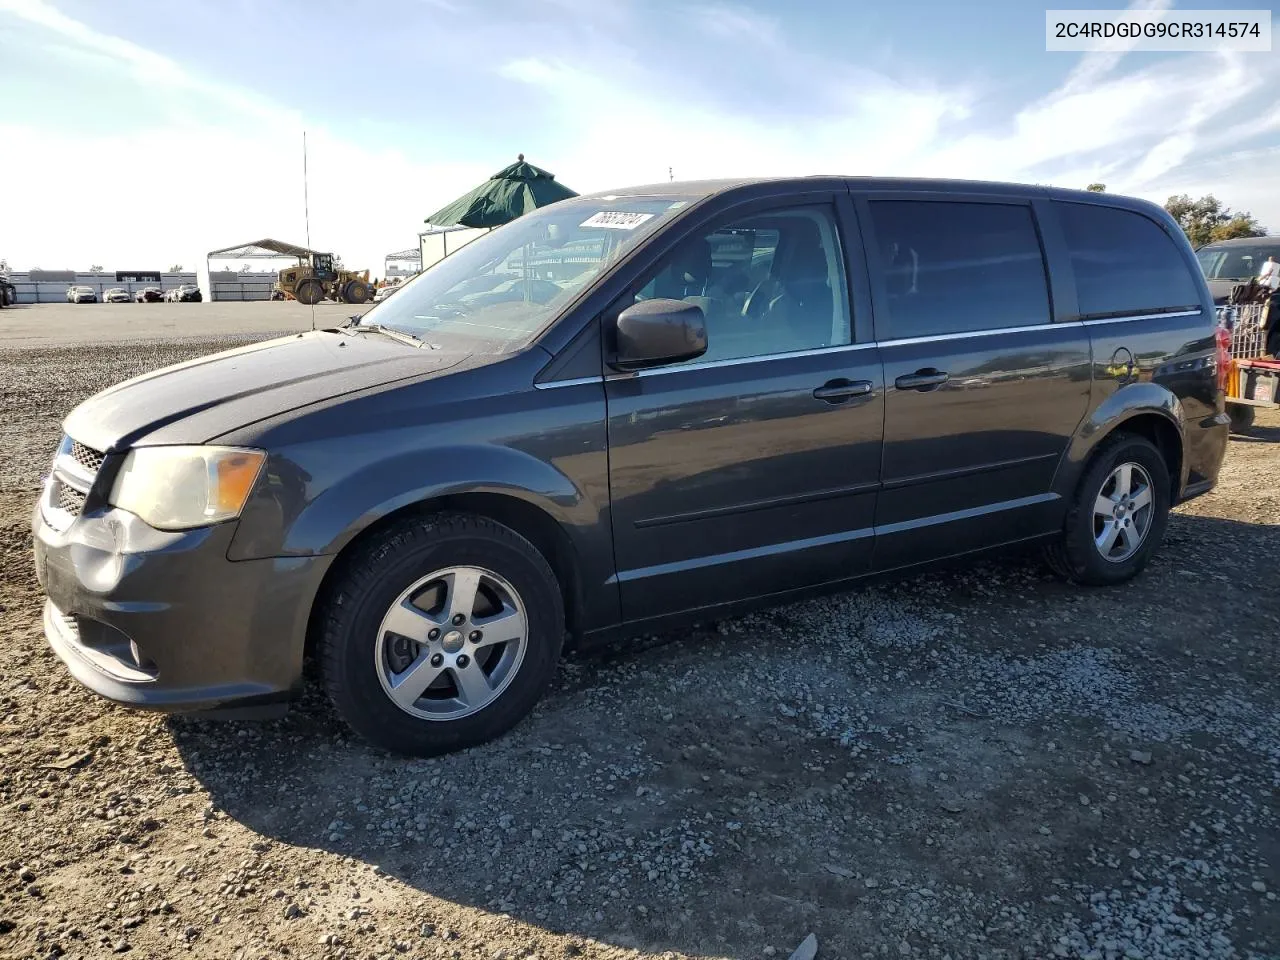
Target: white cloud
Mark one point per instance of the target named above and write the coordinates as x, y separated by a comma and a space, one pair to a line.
1095, 66
1137, 124
735, 23
225, 166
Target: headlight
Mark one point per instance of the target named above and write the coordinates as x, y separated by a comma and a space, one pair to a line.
173, 488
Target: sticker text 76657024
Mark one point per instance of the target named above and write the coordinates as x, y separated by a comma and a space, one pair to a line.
616, 219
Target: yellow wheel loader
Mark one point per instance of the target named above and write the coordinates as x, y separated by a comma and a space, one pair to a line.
315, 279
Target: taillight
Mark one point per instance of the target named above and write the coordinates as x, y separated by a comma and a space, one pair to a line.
1224, 357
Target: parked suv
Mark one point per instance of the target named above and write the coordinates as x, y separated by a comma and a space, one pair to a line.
623, 412
81, 294
1227, 263
184, 293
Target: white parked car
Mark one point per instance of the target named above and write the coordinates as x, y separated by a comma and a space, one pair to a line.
388, 289
81, 295
116, 295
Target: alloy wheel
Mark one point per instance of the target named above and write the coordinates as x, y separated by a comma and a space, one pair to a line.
451, 643
1122, 513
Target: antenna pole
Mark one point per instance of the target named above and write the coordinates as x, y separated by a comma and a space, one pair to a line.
670, 176
306, 212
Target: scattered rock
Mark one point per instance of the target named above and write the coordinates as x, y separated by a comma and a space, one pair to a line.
1140, 756
69, 763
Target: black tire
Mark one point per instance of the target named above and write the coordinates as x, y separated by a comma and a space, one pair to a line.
356, 291
309, 291
367, 586
1241, 416
1075, 556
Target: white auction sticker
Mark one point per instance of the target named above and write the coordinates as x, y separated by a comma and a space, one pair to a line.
616, 220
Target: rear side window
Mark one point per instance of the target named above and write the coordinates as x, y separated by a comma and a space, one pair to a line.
1124, 263
954, 267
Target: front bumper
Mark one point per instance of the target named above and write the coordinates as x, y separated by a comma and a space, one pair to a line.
164, 621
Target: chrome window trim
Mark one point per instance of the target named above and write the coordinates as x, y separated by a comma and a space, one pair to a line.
574, 382
735, 361
964, 335
1144, 316
849, 347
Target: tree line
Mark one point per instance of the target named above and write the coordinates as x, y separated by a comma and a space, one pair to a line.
1205, 220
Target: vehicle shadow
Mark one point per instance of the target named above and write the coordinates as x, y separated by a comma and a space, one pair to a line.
1256, 434
683, 793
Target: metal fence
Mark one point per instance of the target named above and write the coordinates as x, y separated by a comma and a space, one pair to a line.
226, 285
1248, 337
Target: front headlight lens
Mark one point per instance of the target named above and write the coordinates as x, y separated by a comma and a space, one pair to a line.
175, 488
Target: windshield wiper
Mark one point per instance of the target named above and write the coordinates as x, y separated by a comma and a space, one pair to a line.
404, 336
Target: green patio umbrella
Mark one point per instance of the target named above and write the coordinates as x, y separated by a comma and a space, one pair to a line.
509, 193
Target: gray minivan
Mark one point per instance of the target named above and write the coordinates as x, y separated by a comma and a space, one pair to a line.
623, 412
1229, 262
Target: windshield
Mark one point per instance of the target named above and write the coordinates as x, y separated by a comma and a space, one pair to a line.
1236, 262
505, 286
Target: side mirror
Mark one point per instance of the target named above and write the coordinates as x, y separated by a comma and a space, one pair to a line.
655, 332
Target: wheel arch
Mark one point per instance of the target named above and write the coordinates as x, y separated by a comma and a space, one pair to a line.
528, 519
1166, 437
1146, 410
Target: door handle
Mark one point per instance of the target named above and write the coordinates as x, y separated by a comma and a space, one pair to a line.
838, 391
922, 380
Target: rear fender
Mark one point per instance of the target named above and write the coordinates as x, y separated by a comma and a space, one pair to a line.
1133, 400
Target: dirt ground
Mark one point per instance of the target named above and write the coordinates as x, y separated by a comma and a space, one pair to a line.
64, 324
975, 763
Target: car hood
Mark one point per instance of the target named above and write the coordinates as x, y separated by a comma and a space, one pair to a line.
1221, 289
195, 401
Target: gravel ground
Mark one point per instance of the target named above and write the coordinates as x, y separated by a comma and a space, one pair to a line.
980, 763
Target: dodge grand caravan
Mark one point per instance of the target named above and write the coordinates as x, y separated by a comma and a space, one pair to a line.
624, 411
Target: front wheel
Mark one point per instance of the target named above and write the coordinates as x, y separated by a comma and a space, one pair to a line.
440, 634
308, 292
355, 291
1118, 515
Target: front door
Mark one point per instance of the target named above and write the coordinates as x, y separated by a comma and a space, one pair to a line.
983, 389
753, 469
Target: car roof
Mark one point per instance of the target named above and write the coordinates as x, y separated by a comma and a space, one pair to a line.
1271, 241
700, 189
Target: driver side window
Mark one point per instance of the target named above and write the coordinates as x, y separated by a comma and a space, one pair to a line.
770, 283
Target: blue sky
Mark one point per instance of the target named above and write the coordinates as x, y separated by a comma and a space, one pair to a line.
144, 132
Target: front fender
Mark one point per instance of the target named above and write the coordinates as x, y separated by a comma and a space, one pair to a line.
296, 513
1130, 401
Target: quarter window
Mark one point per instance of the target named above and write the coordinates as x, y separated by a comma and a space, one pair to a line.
1124, 263
767, 284
955, 267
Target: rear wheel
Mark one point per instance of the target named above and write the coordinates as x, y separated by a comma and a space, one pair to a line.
1118, 516
356, 291
1241, 416
440, 634
309, 291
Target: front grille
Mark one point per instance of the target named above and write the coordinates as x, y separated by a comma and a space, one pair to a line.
68, 486
87, 457
69, 498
